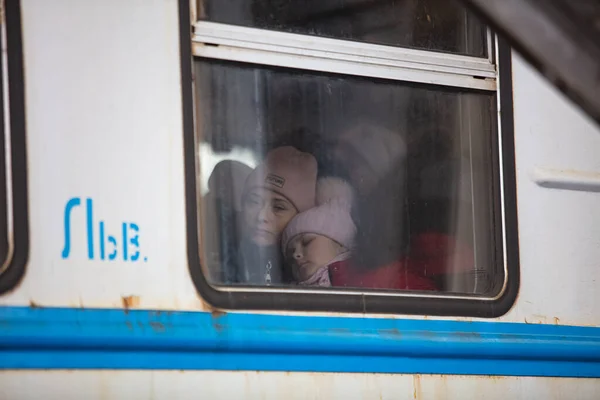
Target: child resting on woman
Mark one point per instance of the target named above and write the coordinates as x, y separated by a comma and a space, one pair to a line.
322, 235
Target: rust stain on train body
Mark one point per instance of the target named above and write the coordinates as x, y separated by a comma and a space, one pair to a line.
33, 304
157, 326
130, 302
417, 386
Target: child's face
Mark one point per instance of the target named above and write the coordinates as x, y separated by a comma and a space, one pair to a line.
308, 252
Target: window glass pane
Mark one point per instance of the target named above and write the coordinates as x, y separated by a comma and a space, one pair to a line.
440, 25
313, 179
4, 246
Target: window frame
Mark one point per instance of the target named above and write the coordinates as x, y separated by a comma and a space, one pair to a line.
12, 101
282, 49
210, 40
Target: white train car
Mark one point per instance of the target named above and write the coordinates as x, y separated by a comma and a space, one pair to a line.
114, 281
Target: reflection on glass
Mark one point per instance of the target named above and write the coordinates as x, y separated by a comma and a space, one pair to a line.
4, 244
345, 182
440, 25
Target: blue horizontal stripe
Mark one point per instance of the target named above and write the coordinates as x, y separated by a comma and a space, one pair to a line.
78, 338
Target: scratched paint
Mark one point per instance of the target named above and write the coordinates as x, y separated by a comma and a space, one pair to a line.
101, 385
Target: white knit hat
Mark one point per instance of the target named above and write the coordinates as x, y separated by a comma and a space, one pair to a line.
380, 148
331, 188
330, 218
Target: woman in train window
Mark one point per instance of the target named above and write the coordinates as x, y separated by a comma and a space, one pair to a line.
278, 189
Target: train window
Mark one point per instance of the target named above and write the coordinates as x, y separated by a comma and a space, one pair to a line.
13, 198
439, 25
346, 174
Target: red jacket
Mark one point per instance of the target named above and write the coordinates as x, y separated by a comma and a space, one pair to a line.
436, 254
391, 276
429, 257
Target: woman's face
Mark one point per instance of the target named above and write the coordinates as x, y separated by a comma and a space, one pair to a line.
266, 215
